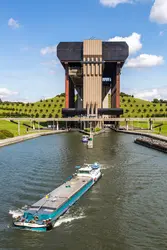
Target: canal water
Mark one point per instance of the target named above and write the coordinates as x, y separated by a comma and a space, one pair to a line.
126, 209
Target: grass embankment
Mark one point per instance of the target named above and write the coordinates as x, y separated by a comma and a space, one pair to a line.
12, 128
158, 127
44, 108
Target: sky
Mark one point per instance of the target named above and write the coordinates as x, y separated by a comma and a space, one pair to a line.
31, 29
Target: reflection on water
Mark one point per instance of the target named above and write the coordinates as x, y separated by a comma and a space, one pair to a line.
125, 210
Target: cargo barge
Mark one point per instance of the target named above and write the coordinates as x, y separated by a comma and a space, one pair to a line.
42, 215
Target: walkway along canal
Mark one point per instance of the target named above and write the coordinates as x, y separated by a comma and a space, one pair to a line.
123, 211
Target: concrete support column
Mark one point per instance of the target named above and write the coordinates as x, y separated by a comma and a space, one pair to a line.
150, 124
53, 124
84, 125
127, 126
18, 127
66, 87
66, 125
33, 125
57, 125
117, 125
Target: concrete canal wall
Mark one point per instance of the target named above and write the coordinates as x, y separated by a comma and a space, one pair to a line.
17, 139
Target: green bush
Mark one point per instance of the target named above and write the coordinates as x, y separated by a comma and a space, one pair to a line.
87, 129
97, 129
2, 136
7, 133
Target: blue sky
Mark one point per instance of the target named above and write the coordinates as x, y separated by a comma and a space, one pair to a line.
30, 31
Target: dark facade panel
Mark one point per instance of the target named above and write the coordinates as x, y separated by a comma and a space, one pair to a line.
108, 111
70, 51
73, 51
115, 51
72, 112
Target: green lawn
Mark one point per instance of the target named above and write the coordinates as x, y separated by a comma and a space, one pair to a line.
12, 127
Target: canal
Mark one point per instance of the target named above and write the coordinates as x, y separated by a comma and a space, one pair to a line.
125, 210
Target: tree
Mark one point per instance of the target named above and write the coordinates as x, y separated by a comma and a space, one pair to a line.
143, 105
56, 116
43, 116
50, 115
36, 115
44, 105
41, 110
49, 105
155, 100
161, 110
129, 100
0, 100
144, 110
139, 110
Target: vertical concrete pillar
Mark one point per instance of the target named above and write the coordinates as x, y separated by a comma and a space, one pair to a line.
18, 127
66, 87
66, 124
117, 125
84, 125
33, 125
53, 124
57, 125
150, 124
127, 127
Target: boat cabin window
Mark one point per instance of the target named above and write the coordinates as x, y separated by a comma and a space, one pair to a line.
84, 172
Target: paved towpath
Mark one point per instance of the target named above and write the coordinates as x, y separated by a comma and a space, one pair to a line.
22, 138
148, 134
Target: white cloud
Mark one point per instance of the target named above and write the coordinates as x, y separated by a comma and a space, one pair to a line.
4, 92
49, 50
150, 94
13, 23
51, 63
161, 33
114, 3
133, 41
52, 72
158, 12
144, 61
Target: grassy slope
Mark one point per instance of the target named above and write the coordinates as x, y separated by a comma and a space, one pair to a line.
46, 108
12, 127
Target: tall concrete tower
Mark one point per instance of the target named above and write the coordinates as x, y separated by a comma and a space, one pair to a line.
92, 71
